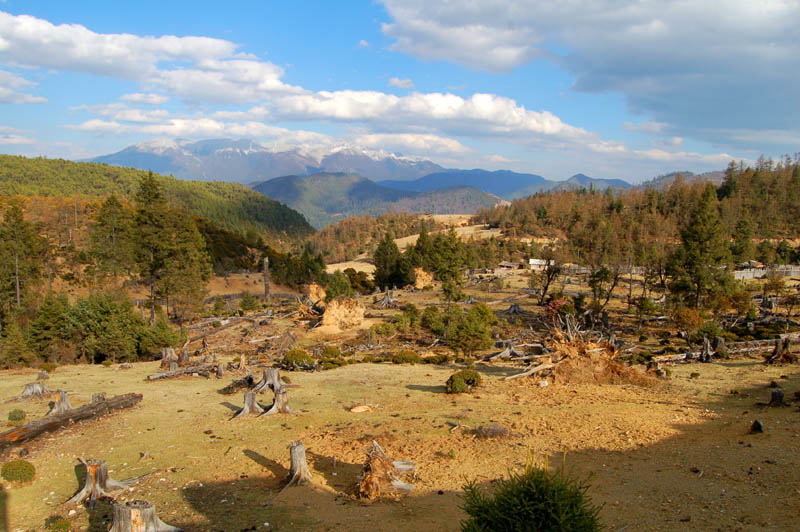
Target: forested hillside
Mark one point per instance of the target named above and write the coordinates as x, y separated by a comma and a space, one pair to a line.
229, 205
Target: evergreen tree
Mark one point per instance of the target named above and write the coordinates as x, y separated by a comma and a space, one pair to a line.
742, 247
699, 266
21, 257
387, 262
13, 349
111, 244
187, 267
152, 225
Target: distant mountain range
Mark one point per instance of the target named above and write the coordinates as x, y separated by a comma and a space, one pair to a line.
663, 181
504, 183
325, 198
246, 161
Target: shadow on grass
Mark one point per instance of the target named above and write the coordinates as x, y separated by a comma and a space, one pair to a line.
232, 407
438, 388
274, 467
339, 475
101, 516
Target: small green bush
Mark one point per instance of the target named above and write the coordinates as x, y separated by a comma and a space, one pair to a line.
49, 367
18, 471
462, 381
406, 356
16, 415
248, 303
106, 363
534, 500
332, 363
297, 358
368, 359
643, 338
438, 360
216, 323
330, 351
433, 320
384, 329
58, 523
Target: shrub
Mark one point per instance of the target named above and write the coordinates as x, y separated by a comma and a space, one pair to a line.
216, 324
297, 358
534, 500
462, 381
330, 351
413, 315
432, 320
384, 329
18, 471
219, 306
58, 523
16, 415
106, 363
332, 363
368, 359
248, 303
49, 367
439, 360
406, 356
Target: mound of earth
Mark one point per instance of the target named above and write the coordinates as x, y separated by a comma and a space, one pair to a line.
343, 313
580, 362
422, 278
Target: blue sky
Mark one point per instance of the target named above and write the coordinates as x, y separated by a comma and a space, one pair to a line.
608, 88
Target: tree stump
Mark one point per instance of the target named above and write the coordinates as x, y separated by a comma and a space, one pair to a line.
220, 371
33, 389
167, 357
298, 472
706, 353
98, 397
280, 405
173, 366
42, 376
242, 363
776, 398
138, 516
61, 406
184, 359
382, 476
210, 358
251, 406
271, 379
97, 483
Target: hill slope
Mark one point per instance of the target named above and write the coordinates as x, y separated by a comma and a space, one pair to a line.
228, 205
504, 183
328, 197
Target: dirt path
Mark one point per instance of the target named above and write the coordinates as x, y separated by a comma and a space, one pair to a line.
673, 458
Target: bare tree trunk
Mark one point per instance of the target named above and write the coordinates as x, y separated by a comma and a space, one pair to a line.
138, 516
16, 276
97, 483
152, 301
299, 473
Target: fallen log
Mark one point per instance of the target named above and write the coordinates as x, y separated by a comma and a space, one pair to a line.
34, 429
532, 371
97, 483
205, 371
138, 516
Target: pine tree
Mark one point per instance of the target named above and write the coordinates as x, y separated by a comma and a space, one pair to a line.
387, 262
152, 225
13, 349
111, 244
187, 267
21, 257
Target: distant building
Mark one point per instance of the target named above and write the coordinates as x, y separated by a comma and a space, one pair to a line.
539, 265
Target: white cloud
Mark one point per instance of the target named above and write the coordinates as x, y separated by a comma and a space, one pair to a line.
10, 84
147, 98
412, 143
404, 83
13, 136
363, 44
697, 66
647, 128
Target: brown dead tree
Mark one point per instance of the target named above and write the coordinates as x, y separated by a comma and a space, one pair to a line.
298, 472
61, 406
280, 405
138, 516
251, 406
383, 476
97, 483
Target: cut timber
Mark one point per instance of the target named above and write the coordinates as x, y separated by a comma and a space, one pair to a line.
205, 371
271, 380
98, 397
97, 484
35, 429
138, 516
382, 476
532, 371
168, 356
280, 405
33, 389
251, 406
61, 406
298, 472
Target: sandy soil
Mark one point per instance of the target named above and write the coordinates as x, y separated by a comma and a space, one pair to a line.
678, 457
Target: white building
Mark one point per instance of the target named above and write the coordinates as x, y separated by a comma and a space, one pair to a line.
539, 265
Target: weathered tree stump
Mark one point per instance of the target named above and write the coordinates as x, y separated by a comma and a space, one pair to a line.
382, 476
184, 359
98, 397
173, 366
280, 405
210, 358
61, 406
243, 363
781, 352
138, 516
33, 389
298, 472
251, 406
271, 379
97, 483
776, 397
220, 371
167, 357
42, 376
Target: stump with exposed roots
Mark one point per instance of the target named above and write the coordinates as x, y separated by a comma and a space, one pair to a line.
138, 516
61, 406
33, 389
383, 476
298, 472
271, 379
280, 405
168, 356
97, 484
251, 406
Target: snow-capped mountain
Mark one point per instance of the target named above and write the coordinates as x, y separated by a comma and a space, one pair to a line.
247, 161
